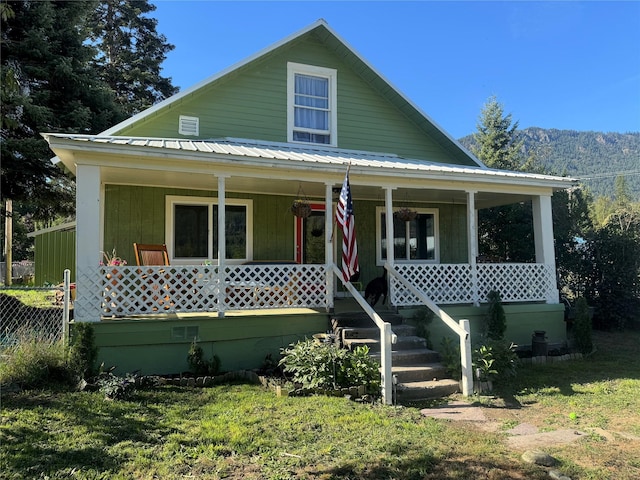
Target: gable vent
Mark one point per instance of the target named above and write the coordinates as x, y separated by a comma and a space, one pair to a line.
189, 126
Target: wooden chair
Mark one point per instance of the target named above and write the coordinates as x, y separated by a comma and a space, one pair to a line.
151, 254
157, 292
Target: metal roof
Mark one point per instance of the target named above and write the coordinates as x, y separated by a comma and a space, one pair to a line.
302, 155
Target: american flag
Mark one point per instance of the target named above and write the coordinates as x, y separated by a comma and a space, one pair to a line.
344, 217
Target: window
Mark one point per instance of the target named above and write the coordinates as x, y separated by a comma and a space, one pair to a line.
311, 105
414, 241
192, 229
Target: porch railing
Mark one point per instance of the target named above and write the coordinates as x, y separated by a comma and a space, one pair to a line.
447, 284
132, 290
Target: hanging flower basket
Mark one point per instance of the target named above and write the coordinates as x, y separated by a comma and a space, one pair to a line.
301, 208
406, 214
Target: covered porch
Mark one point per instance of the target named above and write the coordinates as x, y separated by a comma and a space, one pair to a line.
270, 271
256, 255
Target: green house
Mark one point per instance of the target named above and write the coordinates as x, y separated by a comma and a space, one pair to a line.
212, 173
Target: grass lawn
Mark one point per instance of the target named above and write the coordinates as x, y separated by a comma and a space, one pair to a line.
246, 432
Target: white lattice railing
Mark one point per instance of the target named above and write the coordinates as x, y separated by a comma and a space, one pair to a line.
453, 283
132, 290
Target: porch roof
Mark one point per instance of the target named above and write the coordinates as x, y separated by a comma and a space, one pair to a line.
281, 168
304, 156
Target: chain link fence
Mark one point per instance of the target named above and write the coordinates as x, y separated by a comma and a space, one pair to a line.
34, 312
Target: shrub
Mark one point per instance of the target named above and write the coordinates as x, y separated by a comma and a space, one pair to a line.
496, 357
505, 359
496, 320
483, 363
114, 387
324, 366
83, 353
37, 363
198, 364
450, 354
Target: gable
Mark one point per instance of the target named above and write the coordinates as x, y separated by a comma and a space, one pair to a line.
251, 102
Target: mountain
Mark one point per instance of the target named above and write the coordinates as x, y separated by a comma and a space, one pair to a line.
596, 158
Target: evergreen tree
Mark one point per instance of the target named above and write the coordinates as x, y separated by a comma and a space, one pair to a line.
571, 226
130, 53
504, 232
496, 141
52, 87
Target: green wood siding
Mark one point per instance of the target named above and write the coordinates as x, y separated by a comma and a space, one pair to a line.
241, 342
252, 103
54, 252
137, 214
522, 321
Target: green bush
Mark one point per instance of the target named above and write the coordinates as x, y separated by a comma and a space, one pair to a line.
37, 363
450, 355
324, 366
496, 320
495, 360
83, 353
199, 365
114, 387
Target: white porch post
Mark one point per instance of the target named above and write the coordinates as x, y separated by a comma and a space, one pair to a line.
388, 205
385, 333
543, 236
472, 242
466, 361
222, 246
88, 242
328, 243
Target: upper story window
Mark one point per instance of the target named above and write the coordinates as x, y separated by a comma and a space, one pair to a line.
413, 241
311, 113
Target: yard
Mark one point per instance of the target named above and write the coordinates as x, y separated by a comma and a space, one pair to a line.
246, 432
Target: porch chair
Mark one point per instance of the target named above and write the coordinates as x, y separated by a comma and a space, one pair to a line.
148, 254
154, 255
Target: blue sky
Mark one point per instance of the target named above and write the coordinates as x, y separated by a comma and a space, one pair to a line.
566, 65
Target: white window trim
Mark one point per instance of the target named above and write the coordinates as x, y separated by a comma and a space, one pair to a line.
436, 231
210, 202
329, 73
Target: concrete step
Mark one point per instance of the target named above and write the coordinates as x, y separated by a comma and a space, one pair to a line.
419, 372
410, 357
403, 343
414, 391
362, 320
374, 332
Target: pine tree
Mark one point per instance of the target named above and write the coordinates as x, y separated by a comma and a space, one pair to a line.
131, 53
504, 232
52, 88
497, 144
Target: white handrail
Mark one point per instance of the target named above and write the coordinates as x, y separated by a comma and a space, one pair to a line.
463, 330
387, 338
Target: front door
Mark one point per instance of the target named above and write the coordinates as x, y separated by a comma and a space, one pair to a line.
310, 236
